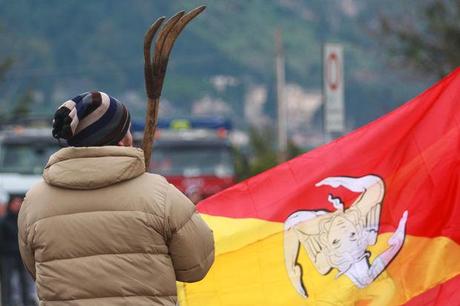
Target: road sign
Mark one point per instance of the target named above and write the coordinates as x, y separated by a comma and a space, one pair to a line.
334, 107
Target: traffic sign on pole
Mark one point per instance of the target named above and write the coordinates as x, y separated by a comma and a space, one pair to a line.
333, 89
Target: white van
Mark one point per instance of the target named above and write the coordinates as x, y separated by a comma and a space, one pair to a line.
23, 155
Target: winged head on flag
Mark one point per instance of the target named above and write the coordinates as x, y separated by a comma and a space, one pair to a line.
339, 239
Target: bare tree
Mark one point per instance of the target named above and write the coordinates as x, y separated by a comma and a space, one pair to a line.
429, 40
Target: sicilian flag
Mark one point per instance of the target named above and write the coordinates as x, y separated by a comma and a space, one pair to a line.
372, 218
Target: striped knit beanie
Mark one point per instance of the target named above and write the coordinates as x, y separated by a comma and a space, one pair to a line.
91, 119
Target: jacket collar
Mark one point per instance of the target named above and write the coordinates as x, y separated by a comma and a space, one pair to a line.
93, 167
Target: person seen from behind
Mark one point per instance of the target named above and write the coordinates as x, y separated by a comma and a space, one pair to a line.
99, 230
18, 288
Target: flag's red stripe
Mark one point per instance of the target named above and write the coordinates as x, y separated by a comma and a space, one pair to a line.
414, 134
447, 293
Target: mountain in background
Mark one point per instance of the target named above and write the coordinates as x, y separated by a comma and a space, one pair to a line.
222, 63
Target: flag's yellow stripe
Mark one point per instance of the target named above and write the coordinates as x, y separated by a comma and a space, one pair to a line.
249, 270
232, 234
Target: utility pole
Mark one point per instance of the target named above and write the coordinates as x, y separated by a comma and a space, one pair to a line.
281, 100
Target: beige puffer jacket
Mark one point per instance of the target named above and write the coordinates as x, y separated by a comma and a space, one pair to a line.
100, 231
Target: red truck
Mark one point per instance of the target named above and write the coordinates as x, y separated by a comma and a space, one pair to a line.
193, 154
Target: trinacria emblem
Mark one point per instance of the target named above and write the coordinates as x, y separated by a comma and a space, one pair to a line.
339, 239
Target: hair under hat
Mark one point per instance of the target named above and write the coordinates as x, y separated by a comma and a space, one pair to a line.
91, 119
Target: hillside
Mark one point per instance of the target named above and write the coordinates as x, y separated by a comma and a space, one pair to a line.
62, 48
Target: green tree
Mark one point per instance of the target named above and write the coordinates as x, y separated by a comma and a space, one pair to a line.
4, 67
429, 41
23, 105
263, 155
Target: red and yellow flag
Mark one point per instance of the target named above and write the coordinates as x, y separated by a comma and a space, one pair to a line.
372, 218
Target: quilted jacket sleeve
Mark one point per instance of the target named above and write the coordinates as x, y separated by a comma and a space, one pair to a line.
190, 240
27, 254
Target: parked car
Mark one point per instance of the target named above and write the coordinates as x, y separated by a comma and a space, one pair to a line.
23, 155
